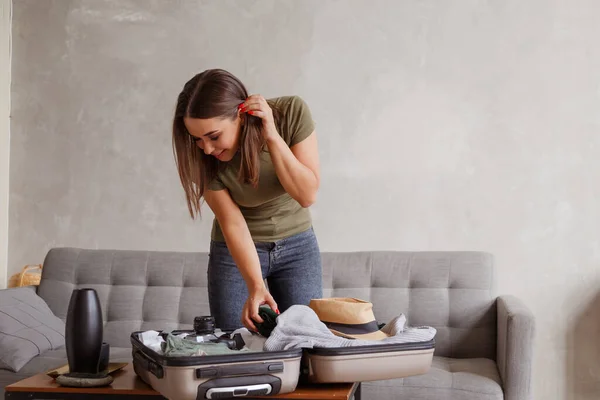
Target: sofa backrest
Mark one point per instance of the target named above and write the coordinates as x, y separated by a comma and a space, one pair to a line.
141, 290
451, 291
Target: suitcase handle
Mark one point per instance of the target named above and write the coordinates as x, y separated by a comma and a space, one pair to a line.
237, 370
148, 364
240, 386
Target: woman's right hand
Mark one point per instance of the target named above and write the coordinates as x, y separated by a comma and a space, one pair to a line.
256, 298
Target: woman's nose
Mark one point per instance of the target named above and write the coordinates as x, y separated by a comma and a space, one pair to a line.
208, 149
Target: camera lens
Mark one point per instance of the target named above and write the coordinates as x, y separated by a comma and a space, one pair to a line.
204, 325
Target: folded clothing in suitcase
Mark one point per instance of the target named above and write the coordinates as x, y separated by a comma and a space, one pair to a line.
253, 373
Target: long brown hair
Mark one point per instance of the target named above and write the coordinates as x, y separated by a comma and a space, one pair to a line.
214, 93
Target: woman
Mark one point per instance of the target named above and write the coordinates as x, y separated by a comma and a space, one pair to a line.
255, 162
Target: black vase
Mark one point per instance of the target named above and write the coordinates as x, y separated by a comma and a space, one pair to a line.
84, 332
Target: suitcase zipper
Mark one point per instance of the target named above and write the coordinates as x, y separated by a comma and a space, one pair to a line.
371, 349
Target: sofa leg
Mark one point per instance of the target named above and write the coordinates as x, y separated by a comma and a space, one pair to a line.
357, 393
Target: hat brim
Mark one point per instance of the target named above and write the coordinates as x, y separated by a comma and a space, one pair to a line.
377, 335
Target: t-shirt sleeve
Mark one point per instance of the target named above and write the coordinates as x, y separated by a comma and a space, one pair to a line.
216, 184
299, 121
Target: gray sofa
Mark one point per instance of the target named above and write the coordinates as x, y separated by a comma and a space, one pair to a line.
484, 343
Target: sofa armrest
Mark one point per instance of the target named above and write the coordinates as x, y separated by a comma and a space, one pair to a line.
516, 330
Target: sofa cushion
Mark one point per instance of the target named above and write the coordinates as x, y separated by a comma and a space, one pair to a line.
27, 327
448, 379
450, 291
138, 290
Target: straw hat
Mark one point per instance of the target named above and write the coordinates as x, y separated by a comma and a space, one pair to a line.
348, 317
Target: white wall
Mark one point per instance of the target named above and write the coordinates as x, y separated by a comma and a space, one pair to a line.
5, 41
443, 125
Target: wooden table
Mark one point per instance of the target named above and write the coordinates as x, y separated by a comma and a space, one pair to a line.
128, 386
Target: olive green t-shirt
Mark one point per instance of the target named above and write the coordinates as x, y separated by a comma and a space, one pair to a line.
270, 212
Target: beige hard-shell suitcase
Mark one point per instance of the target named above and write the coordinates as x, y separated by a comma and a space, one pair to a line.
367, 363
217, 376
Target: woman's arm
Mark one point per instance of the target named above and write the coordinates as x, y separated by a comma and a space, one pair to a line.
297, 167
242, 249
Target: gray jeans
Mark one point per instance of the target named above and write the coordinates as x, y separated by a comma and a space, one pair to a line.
291, 266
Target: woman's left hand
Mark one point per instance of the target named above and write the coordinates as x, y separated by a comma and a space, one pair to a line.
257, 106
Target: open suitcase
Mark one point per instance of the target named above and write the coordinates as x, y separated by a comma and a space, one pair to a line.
217, 376
270, 373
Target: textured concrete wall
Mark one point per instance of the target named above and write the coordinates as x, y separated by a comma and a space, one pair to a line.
443, 125
5, 40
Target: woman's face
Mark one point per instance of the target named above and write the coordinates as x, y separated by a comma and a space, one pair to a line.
218, 137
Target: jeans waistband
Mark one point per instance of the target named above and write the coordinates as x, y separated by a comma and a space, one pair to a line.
284, 241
